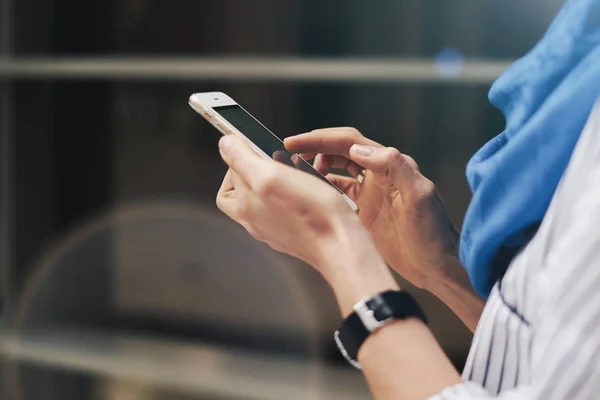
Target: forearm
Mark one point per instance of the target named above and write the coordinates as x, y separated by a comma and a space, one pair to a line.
455, 290
403, 359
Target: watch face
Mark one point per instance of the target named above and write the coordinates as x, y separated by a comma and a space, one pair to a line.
381, 311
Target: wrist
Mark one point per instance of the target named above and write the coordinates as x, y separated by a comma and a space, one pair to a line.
452, 275
353, 267
455, 290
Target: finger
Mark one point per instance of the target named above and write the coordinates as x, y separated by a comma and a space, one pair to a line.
242, 159
325, 162
341, 162
399, 169
344, 183
227, 199
227, 184
232, 184
239, 184
227, 203
308, 156
335, 141
284, 157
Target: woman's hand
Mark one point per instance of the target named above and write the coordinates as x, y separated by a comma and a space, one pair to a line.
299, 214
294, 213
401, 209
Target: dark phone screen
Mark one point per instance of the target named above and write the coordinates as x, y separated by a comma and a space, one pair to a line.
265, 140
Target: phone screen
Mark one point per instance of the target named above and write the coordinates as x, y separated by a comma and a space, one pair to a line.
265, 140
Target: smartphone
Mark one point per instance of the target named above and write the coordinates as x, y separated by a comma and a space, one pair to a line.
230, 118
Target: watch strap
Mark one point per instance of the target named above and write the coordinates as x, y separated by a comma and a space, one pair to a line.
396, 305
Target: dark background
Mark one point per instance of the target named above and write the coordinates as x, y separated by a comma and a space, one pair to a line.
75, 147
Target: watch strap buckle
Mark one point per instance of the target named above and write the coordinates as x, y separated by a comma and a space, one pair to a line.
342, 349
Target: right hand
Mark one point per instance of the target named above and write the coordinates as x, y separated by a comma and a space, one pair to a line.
400, 207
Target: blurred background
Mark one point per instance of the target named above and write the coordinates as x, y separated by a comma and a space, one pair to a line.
119, 277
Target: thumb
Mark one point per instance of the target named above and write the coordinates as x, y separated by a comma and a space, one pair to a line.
398, 169
241, 158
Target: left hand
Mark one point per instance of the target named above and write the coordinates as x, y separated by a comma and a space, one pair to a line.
291, 211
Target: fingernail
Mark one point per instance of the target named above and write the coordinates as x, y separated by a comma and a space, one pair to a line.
225, 143
364, 151
288, 139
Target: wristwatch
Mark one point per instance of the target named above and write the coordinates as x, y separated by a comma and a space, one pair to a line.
371, 314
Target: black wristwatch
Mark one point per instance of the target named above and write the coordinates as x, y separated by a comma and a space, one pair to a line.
371, 314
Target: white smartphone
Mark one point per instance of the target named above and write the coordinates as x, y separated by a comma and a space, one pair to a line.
230, 118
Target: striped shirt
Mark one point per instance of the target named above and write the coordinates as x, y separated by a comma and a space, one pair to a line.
539, 334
